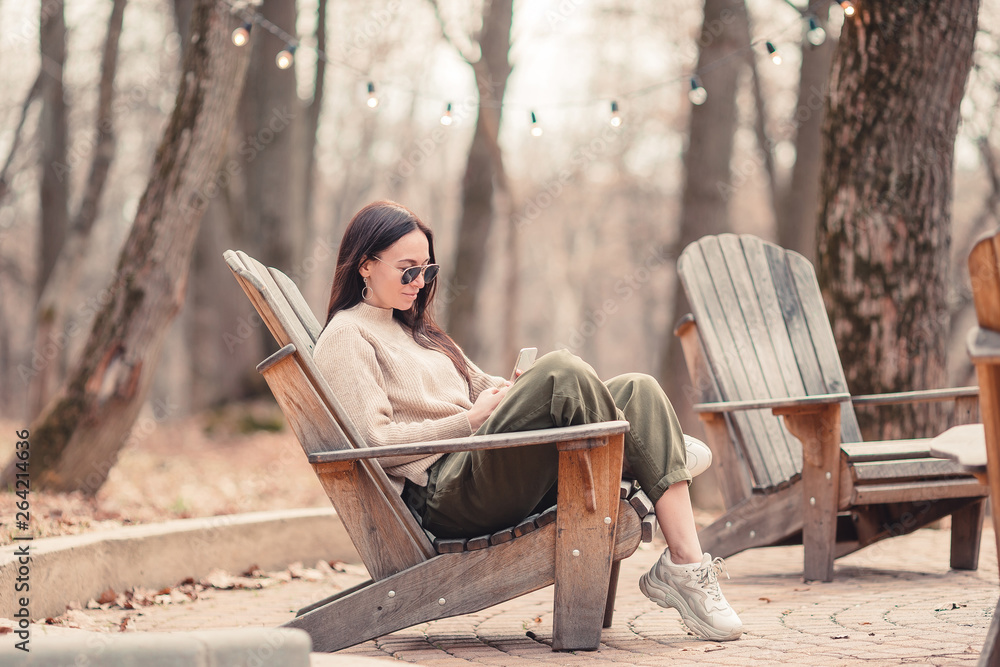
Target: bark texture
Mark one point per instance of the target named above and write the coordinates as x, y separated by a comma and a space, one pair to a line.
483, 175
55, 322
884, 234
77, 437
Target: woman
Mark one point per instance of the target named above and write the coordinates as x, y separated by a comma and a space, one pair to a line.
402, 379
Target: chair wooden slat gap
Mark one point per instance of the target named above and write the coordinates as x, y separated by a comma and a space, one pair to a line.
763, 368
713, 327
825, 346
298, 304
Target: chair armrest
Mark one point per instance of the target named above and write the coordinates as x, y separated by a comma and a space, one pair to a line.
585, 436
983, 345
965, 444
920, 396
772, 403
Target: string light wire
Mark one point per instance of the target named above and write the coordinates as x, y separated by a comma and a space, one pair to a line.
697, 92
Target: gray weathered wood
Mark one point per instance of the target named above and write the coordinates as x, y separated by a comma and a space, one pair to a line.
923, 396
585, 435
965, 444
759, 339
983, 346
641, 503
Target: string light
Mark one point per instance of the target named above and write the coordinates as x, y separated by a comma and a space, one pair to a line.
372, 97
815, 35
848, 7
446, 116
773, 52
285, 57
697, 94
242, 34
616, 119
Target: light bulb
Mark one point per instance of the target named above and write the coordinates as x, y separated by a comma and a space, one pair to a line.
698, 95
446, 116
815, 35
536, 129
372, 97
773, 52
242, 34
285, 57
848, 7
616, 119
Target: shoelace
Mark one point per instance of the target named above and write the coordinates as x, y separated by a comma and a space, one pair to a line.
709, 579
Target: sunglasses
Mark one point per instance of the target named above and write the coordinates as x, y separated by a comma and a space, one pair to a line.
429, 272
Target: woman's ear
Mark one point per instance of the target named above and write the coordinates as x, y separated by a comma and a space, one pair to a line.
365, 267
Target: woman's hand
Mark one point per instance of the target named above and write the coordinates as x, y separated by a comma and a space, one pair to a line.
485, 404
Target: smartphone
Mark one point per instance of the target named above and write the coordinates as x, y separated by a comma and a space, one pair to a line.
525, 358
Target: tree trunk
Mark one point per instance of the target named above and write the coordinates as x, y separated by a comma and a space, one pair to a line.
707, 182
799, 200
312, 126
885, 223
273, 166
483, 167
55, 324
77, 438
52, 128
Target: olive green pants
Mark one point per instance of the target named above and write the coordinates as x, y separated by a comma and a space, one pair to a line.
474, 493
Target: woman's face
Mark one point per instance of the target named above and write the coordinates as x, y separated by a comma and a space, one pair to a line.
384, 277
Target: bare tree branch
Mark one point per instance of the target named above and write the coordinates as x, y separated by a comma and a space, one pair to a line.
32, 95
447, 37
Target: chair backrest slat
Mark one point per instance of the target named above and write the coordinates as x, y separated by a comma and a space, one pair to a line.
761, 318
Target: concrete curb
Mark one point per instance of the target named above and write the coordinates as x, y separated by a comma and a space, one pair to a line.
243, 647
81, 567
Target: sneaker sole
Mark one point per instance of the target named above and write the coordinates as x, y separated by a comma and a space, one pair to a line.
665, 598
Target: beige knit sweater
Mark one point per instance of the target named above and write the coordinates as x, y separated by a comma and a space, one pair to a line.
393, 390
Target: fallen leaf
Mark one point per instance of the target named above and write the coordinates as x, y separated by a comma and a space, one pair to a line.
865, 623
5, 630
839, 637
954, 605
801, 589
107, 596
871, 634
765, 599
124, 623
164, 591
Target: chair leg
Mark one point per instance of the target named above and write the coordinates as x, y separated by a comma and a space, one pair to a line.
609, 607
966, 535
990, 656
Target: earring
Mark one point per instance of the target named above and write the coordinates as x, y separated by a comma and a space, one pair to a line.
366, 291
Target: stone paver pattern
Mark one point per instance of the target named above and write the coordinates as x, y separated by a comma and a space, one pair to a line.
896, 602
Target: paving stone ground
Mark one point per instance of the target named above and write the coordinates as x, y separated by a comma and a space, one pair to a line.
894, 603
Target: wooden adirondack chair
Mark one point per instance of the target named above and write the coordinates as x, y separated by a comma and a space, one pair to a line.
759, 345
416, 578
977, 447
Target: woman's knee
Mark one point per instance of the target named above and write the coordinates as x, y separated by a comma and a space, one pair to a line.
564, 363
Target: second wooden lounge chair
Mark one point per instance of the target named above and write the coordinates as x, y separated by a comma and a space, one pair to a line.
759, 346
415, 578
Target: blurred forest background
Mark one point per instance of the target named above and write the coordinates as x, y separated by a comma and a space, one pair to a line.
555, 147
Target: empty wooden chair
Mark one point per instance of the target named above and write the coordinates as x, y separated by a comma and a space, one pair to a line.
759, 346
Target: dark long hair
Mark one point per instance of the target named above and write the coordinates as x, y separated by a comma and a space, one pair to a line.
372, 230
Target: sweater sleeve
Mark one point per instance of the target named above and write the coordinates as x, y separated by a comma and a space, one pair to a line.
349, 363
480, 381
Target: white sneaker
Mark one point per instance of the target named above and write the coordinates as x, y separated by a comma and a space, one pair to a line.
699, 456
694, 591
